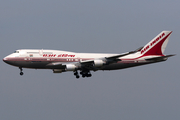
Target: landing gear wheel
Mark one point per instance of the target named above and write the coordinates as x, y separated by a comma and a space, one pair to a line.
21, 73
77, 76
89, 75
85, 73
76, 73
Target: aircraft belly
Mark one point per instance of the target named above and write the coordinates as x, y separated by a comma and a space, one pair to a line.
30, 64
117, 66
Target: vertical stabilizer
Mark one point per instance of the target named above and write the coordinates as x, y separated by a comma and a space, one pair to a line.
157, 45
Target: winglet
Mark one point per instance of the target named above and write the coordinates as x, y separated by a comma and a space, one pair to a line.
157, 45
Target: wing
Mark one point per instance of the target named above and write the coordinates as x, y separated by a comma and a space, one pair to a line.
97, 63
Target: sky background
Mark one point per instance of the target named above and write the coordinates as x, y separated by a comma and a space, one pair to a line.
149, 92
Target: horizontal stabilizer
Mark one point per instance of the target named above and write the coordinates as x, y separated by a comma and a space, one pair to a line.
161, 58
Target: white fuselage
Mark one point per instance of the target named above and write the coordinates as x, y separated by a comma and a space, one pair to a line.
34, 58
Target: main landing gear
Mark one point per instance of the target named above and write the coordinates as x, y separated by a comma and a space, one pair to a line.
21, 73
84, 73
76, 74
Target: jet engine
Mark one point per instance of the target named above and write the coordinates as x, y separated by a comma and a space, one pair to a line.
98, 63
70, 67
57, 70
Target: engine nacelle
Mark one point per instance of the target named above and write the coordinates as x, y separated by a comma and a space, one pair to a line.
70, 67
58, 70
98, 63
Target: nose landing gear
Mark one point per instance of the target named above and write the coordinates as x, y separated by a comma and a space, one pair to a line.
21, 73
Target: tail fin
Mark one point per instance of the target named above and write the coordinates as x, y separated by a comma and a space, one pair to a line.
157, 45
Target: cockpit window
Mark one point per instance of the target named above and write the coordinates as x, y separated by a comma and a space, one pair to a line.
16, 51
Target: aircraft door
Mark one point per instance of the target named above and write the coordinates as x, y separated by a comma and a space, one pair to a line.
41, 52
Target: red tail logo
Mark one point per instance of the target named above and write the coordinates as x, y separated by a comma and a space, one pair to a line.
155, 46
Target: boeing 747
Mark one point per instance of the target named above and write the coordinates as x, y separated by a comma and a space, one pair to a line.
83, 63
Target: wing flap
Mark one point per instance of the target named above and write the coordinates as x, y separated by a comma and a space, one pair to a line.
56, 65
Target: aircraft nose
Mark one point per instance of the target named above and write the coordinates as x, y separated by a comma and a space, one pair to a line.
5, 59
8, 60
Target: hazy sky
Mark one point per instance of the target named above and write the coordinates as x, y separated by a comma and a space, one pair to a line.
150, 92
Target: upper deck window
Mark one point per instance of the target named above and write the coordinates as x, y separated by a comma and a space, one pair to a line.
32, 52
47, 53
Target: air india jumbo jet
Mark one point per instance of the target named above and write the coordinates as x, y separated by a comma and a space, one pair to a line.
63, 61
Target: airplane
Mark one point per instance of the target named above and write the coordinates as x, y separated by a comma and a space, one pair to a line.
83, 63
